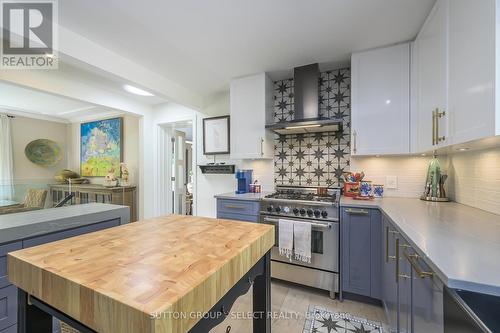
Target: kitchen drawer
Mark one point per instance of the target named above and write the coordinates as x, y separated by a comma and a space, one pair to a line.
239, 217
238, 207
8, 306
11, 329
69, 233
4, 249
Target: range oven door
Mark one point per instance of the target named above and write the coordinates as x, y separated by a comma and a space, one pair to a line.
324, 244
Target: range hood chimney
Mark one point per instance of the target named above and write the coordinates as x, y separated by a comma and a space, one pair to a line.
307, 117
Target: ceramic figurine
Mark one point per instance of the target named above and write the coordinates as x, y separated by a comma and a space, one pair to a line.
110, 179
366, 189
378, 191
125, 175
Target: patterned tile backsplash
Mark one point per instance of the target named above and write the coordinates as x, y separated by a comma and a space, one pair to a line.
316, 159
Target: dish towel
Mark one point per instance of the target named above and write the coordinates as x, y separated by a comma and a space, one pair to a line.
302, 241
286, 238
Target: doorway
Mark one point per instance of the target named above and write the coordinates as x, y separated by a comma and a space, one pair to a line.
178, 164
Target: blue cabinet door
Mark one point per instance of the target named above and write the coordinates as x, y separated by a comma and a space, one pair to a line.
376, 257
427, 301
8, 306
358, 263
389, 285
404, 287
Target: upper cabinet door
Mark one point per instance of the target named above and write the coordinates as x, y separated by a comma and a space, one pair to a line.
430, 55
380, 106
472, 69
251, 108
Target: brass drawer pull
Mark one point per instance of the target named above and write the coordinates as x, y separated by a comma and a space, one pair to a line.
413, 262
235, 206
387, 256
357, 211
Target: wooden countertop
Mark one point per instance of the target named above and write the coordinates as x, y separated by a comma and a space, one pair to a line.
113, 280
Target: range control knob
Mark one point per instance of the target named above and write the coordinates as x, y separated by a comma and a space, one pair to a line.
310, 212
286, 210
278, 209
317, 213
302, 211
296, 211
270, 208
324, 214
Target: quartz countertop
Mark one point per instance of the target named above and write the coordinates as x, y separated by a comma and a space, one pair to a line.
166, 265
38, 222
460, 243
244, 196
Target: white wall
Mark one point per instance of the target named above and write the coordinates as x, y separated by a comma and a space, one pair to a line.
209, 185
130, 148
410, 171
475, 179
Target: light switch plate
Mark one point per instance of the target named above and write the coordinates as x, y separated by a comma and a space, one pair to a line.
391, 182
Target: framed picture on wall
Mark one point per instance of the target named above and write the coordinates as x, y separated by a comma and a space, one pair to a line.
101, 147
216, 135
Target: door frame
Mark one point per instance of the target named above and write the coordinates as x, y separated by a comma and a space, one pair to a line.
162, 167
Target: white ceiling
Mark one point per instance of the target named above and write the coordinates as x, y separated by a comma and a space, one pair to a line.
203, 44
22, 101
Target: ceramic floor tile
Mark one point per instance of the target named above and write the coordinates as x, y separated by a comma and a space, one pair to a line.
293, 302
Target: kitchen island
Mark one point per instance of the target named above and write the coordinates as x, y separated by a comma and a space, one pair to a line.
170, 274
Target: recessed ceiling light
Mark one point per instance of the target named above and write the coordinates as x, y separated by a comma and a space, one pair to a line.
463, 149
136, 91
388, 101
424, 154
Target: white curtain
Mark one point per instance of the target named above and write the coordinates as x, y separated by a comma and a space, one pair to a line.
6, 164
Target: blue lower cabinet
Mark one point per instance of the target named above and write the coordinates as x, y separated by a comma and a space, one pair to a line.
389, 284
240, 210
361, 242
8, 306
11, 329
8, 292
4, 249
239, 217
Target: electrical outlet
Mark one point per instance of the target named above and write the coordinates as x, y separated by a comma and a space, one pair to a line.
391, 182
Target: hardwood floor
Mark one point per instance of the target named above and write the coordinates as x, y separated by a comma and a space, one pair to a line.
293, 302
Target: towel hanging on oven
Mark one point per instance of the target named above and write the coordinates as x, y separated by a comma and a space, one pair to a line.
302, 241
286, 238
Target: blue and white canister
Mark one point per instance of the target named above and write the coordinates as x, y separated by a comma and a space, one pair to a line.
378, 191
366, 189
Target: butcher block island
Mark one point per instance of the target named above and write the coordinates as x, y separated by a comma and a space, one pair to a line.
169, 274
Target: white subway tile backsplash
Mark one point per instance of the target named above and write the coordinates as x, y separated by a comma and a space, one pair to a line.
475, 179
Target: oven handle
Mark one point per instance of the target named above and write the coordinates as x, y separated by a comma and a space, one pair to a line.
319, 225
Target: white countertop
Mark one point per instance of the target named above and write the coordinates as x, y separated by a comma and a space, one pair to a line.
244, 196
33, 223
460, 243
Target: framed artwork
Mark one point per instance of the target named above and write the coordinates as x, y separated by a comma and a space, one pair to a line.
216, 135
101, 147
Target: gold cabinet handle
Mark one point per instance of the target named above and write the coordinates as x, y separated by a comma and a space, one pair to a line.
354, 141
235, 206
387, 233
439, 115
397, 260
357, 211
412, 258
434, 126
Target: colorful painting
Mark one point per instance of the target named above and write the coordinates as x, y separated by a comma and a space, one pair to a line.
101, 147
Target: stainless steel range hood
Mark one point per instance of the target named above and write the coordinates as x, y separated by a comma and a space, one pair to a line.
307, 117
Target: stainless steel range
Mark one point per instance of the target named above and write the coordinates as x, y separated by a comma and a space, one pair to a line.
303, 204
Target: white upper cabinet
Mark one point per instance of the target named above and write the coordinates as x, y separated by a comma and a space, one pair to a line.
473, 72
430, 70
251, 108
380, 106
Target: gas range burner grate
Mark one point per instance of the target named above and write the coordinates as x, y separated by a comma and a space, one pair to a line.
292, 194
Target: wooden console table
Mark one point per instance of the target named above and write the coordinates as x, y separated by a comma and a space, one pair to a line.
87, 193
